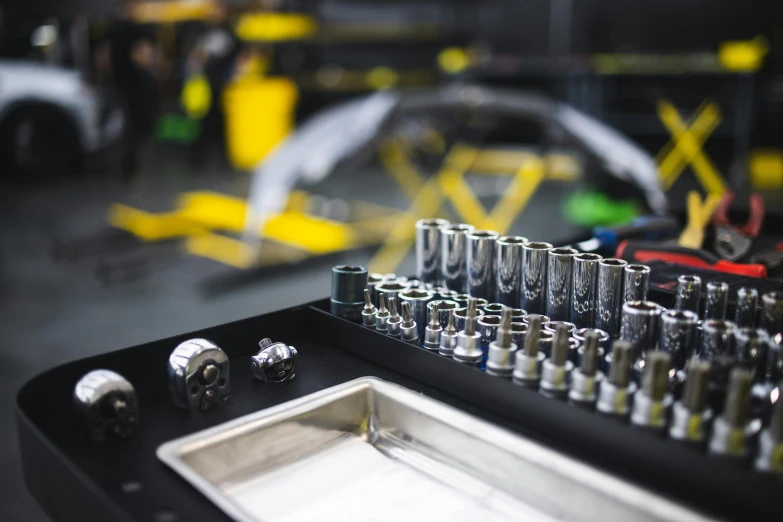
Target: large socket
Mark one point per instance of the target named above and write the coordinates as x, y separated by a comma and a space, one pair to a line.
454, 256
611, 274
534, 264
428, 250
481, 264
560, 263
584, 284
348, 284
509, 270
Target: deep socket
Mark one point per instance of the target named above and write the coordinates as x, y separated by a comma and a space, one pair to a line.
690, 416
502, 350
560, 263
652, 402
428, 249
609, 291
418, 299
617, 390
678, 336
584, 283
534, 264
716, 300
729, 430
454, 256
468, 350
556, 369
527, 366
587, 377
772, 315
636, 282
688, 294
746, 308
482, 245
509, 270
348, 284
640, 325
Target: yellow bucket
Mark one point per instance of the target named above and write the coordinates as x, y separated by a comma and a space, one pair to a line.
259, 115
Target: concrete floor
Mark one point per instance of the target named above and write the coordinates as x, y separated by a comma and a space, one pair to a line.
56, 312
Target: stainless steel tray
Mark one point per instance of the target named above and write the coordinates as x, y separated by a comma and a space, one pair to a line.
372, 450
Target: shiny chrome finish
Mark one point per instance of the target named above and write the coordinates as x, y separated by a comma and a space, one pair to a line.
688, 294
617, 390
690, 416
641, 325
468, 350
584, 284
586, 379
527, 366
108, 405
418, 299
443, 310
729, 430
772, 315
636, 282
391, 289
198, 375
509, 270
493, 308
348, 284
717, 338
611, 273
448, 337
488, 328
678, 336
502, 351
262, 466
433, 331
454, 256
274, 362
534, 263
462, 300
556, 369
552, 326
428, 249
747, 306
652, 402
369, 310
770, 456
409, 332
560, 263
460, 314
482, 256
750, 347
382, 317
544, 319
373, 280
716, 300
518, 331
394, 322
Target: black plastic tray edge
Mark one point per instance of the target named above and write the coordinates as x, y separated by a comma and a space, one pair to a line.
674, 471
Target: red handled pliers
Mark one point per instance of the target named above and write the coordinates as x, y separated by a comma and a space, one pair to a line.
733, 242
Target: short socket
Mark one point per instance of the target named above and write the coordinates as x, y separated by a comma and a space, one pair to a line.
441, 292
443, 310
418, 299
348, 284
428, 249
392, 288
482, 245
552, 326
493, 308
544, 319
454, 256
584, 284
462, 300
534, 280
108, 405
716, 300
678, 335
518, 331
636, 282
717, 338
560, 263
772, 315
373, 280
603, 347
460, 314
747, 306
640, 325
610, 300
688, 294
487, 328
509, 270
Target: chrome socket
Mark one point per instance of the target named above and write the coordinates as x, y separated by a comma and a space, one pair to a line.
198, 373
348, 284
717, 338
640, 325
509, 270
636, 282
462, 300
488, 328
750, 348
428, 249
716, 301
448, 337
482, 256
603, 346
418, 299
688, 295
502, 351
493, 308
274, 362
556, 369
552, 326
454, 256
617, 390
443, 310
369, 310
382, 315
409, 332
518, 331
394, 322
747, 306
611, 273
373, 280
678, 336
772, 315
560, 263
534, 279
584, 284
108, 404
468, 350
392, 288
461, 314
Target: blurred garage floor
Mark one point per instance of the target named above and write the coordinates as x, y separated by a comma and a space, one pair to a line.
56, 312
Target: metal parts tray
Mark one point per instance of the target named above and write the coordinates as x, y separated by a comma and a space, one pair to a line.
76, 479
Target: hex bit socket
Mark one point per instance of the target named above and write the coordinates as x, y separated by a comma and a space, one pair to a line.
382, 316
501, 353
369, 310
584, 283
587, 377
428, 250
556, 369
636, 282
534, 264
716, 300
348, 284
527, 365
652, 401
394, 322
688, 294
678, 335
617, 390
448, 337
603, 347
729, 430
690, 415
770, 454
609, 301
409, 331
509, 270
468, 349
418, 299
747, 306
560, 263
772, 315
454, 256
432, 333
482, 245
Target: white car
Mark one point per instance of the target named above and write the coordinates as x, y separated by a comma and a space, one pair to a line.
50, 118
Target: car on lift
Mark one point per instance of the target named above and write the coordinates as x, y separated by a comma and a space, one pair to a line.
52, 119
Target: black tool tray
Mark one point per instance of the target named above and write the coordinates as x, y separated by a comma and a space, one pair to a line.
76, 479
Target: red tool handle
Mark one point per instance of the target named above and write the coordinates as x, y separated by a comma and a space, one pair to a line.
642, 252
755, 214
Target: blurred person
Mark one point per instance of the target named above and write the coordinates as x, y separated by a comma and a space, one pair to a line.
133, 57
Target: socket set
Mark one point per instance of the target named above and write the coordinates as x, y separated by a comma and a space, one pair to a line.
581, 328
